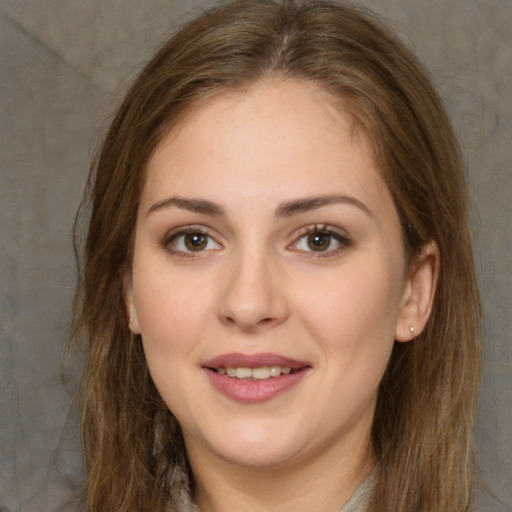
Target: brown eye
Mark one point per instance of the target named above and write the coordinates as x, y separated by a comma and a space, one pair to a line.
195, 241
324, 241
188, 241
319, 241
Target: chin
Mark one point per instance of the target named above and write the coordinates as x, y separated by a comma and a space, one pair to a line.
256, 456
256, 446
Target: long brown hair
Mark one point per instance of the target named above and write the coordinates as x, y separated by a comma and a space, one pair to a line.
422, 432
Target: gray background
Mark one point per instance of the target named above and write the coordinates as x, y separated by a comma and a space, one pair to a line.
61, 66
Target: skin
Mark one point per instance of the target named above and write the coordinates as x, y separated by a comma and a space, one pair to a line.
256, 286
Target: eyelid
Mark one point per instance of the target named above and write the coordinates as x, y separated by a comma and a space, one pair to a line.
338, 234
173, 234
189, 228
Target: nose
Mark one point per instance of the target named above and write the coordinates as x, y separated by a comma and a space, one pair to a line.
254, 295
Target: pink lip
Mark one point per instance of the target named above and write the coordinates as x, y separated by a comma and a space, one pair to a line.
235, 360
256, 391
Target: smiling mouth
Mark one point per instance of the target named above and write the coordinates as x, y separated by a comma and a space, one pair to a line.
255, 378
254, 374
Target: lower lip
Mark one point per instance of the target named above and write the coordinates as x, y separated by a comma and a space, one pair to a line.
254, 391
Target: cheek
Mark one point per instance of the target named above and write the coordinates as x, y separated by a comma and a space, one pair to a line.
355, 311
171, 309
171, 316
352, 320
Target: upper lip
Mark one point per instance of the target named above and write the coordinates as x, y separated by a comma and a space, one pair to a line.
237, 360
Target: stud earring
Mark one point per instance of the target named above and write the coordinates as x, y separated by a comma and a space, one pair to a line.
131, 319
411, 328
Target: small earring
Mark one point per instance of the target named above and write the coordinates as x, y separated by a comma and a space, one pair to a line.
411, 328
131, 319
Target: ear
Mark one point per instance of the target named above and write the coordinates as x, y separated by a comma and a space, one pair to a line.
133, 321
419, 293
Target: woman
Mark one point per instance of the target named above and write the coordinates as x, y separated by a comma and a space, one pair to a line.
278, 291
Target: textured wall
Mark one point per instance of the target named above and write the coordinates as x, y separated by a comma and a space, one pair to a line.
61, 63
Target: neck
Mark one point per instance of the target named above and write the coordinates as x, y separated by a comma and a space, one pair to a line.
324, 483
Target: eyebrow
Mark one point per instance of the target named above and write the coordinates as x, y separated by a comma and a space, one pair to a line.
312, 203
286, 209
191, 204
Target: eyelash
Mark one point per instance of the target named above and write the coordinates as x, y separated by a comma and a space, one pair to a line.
175, 234
324, 230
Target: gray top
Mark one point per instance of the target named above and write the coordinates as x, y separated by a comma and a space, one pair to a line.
359, 500
357, 503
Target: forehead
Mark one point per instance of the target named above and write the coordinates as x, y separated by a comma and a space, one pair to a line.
280, 93
283, 135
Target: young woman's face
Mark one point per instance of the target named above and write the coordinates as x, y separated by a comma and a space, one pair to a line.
268, 278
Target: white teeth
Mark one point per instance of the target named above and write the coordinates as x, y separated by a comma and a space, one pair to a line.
243, 373
275, 371
260, 373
